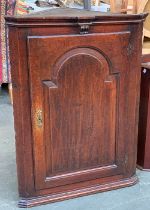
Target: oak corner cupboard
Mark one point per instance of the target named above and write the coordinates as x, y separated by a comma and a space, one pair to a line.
76, 83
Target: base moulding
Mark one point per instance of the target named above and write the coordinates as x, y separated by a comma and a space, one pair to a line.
35, 201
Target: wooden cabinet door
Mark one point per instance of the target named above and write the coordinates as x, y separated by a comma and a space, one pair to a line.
77, 84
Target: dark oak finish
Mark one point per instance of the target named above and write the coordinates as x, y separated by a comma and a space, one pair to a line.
76, 80
143, 155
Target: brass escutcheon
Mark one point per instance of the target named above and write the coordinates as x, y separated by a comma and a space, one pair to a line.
39, 118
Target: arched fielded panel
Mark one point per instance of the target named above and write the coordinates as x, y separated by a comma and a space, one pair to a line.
82, 108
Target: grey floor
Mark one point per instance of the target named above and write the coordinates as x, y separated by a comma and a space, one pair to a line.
130, 198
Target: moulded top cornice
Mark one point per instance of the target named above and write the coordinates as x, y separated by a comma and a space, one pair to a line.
72, 16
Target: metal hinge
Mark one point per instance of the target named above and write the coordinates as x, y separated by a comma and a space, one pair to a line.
84, 28
126, 159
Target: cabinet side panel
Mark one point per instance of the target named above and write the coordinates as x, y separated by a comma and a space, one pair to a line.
132, 101
21, 105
